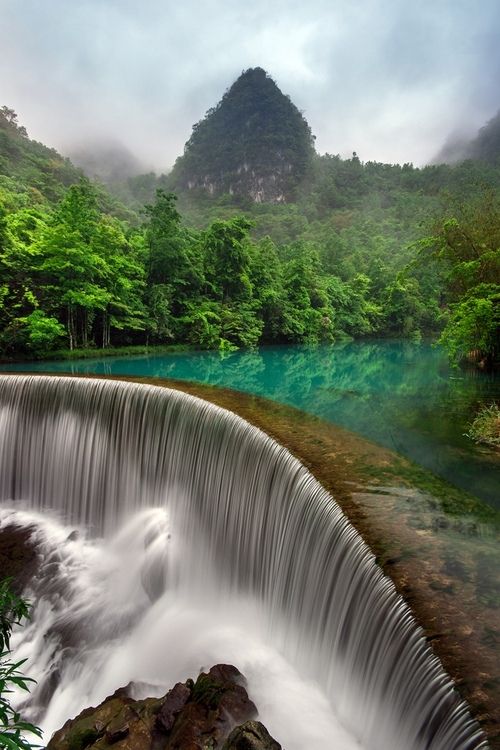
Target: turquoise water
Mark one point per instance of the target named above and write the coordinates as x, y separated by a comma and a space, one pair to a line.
399, 394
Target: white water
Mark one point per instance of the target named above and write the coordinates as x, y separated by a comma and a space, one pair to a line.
100, 590
204, 541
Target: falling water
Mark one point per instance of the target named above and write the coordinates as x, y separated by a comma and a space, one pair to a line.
170, 531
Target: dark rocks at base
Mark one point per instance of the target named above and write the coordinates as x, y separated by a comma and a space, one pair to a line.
252, 735
18, 556
175, 701
213, 712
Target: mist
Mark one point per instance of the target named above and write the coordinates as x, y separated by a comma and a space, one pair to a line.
386, 79
106, 160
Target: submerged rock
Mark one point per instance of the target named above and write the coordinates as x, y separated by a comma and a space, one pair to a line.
213, 712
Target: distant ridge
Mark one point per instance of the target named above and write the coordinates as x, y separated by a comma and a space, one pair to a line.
108, 161
484, 147
41, 168
254, 143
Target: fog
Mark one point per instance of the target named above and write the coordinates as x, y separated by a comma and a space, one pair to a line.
389, 79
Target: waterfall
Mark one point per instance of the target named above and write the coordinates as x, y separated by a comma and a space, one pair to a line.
204, 509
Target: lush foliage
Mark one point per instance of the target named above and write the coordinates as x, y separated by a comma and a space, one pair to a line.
67, 275
29, 166
14, 732
345, 259
466, 248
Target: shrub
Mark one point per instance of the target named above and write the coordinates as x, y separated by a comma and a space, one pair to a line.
13, 730
486, 426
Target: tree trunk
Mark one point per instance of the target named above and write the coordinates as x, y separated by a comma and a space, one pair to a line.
70, 327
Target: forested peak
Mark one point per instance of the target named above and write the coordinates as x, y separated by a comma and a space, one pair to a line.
486, 145
254, 99
8, 121
27, 163
254, 142
253, 89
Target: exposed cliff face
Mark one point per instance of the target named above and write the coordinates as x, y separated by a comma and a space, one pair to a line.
255, 143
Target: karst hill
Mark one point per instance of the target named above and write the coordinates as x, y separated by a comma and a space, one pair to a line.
254, 143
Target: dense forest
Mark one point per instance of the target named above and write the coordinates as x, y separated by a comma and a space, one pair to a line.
357, 249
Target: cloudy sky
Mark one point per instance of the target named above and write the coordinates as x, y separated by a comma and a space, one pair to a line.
390, 79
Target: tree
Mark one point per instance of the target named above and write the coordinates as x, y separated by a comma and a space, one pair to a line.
308, 315
266, 276
71, 272
13, 730
8, 118
228, 260
122, 279
467, 248
472, 329
173, 266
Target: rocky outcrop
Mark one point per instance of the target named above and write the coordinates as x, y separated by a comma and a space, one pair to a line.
252, 735
18, 555
254, 145
213, 712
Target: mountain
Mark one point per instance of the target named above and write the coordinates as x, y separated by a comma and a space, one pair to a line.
108, 161
484, 147
454, 149
31, 164
255, 143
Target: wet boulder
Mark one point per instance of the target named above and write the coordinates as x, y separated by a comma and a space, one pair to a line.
201, 715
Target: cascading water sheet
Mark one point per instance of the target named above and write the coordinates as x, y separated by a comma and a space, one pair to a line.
194, 522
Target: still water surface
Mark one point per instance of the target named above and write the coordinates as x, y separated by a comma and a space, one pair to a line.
400, 394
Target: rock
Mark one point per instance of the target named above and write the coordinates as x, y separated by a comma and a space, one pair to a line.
227, 673
218, 700
175, 701
116, 733
191, 716
252, 735
116, 720
18, 555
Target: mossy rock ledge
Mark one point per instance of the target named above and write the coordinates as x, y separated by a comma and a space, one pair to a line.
213, 712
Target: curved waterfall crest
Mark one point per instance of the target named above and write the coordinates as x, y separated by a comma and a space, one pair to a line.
250, 518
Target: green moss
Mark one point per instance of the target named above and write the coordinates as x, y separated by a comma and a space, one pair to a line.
440, 495
83, 737
207, 691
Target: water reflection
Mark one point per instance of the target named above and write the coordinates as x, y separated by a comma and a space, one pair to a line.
400, 394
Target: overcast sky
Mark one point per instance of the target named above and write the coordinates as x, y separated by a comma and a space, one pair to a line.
390, 79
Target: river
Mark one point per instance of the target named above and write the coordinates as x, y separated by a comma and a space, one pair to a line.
400, 394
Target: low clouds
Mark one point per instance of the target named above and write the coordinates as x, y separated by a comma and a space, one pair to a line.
389, 79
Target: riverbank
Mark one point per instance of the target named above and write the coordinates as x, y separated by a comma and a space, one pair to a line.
93, 353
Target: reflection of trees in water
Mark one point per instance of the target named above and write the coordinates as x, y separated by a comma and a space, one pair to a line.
401, 394
355, 382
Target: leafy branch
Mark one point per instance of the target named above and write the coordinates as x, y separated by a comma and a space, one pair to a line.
13, 730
